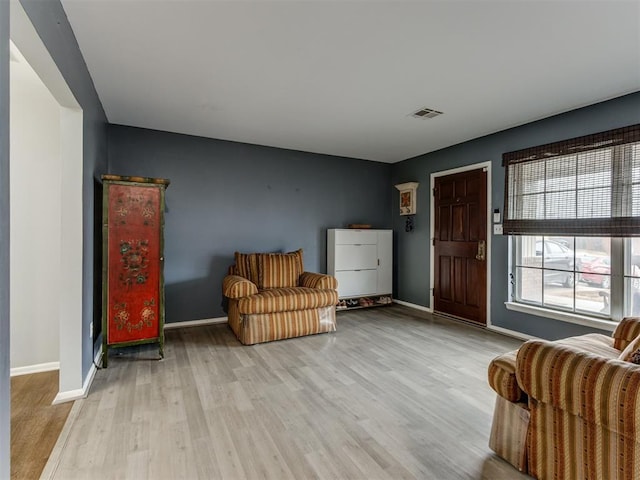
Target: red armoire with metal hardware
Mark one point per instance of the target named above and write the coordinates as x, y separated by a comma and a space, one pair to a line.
132, 262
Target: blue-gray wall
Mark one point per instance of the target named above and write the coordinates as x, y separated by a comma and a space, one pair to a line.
50, 21
412, 249
227, 196
5, 382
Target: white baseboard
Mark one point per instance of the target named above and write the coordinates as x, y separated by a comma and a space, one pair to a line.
40, 367
511, 333
71, 395
413, 305
501, 330
195, 323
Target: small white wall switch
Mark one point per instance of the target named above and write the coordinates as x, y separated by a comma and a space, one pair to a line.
497, 229
496, 216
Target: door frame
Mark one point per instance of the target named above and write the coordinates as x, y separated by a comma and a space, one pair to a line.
484, 165
68, 313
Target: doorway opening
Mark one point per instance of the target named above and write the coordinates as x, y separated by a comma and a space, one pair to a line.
60, 260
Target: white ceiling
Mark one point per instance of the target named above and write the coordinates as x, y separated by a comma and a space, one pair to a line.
342, 77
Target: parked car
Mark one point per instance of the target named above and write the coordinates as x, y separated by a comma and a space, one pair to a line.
558, 262
596, 271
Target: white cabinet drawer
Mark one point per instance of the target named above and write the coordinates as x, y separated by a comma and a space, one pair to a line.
354, 283
356, 257
360, 237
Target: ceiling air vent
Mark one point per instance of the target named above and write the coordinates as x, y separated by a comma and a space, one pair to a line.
426, 113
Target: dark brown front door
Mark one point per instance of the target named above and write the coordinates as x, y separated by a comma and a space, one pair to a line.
460, 241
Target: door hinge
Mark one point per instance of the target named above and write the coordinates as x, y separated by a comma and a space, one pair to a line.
434, 191
433, 241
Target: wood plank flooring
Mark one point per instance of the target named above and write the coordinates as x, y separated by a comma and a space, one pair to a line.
35, 423
393, 394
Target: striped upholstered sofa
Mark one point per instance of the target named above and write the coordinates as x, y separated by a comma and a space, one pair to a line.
570, 409
271, 297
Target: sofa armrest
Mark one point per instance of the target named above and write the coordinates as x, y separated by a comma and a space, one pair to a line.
626, 331
601, 390
318, 280
235, 286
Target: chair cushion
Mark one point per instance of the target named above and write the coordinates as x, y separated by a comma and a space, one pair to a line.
287, 299
627, 330
595, 343
630, 353
279, 270
247, 266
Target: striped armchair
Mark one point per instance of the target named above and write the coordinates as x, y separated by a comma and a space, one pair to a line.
271, 297
570, 409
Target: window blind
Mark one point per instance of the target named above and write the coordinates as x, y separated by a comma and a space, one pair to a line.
586, 186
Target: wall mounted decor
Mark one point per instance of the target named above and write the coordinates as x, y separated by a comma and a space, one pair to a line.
133, 259
407, 197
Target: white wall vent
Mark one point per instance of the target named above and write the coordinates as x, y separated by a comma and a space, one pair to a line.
426, 113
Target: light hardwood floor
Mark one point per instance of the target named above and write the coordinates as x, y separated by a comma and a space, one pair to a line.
394, 393
35, 423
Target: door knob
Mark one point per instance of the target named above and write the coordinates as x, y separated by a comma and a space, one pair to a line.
481, 250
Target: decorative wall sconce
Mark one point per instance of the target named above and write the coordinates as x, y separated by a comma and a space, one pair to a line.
407, 197
408, 202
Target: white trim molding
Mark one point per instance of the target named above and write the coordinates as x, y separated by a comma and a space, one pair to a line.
511, 333
40, 367
71, 395
195, 323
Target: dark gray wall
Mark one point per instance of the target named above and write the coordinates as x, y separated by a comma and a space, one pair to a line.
227, 196
5, 382
50, 21
412, 262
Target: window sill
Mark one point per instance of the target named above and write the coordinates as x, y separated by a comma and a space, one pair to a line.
608, 325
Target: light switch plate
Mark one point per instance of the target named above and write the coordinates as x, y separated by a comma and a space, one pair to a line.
497, 229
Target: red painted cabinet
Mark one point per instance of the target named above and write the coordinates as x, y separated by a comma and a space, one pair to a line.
133, 259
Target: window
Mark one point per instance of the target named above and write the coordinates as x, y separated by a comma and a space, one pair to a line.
576, 274
565, 273
573, 208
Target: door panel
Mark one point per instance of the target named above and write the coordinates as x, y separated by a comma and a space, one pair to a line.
444, 280
356, 237
445, 222
460, 206
354, 257
354, 283
475, 229
459, 279
459, 230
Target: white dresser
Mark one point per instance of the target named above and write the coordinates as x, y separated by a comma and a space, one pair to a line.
362, 262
